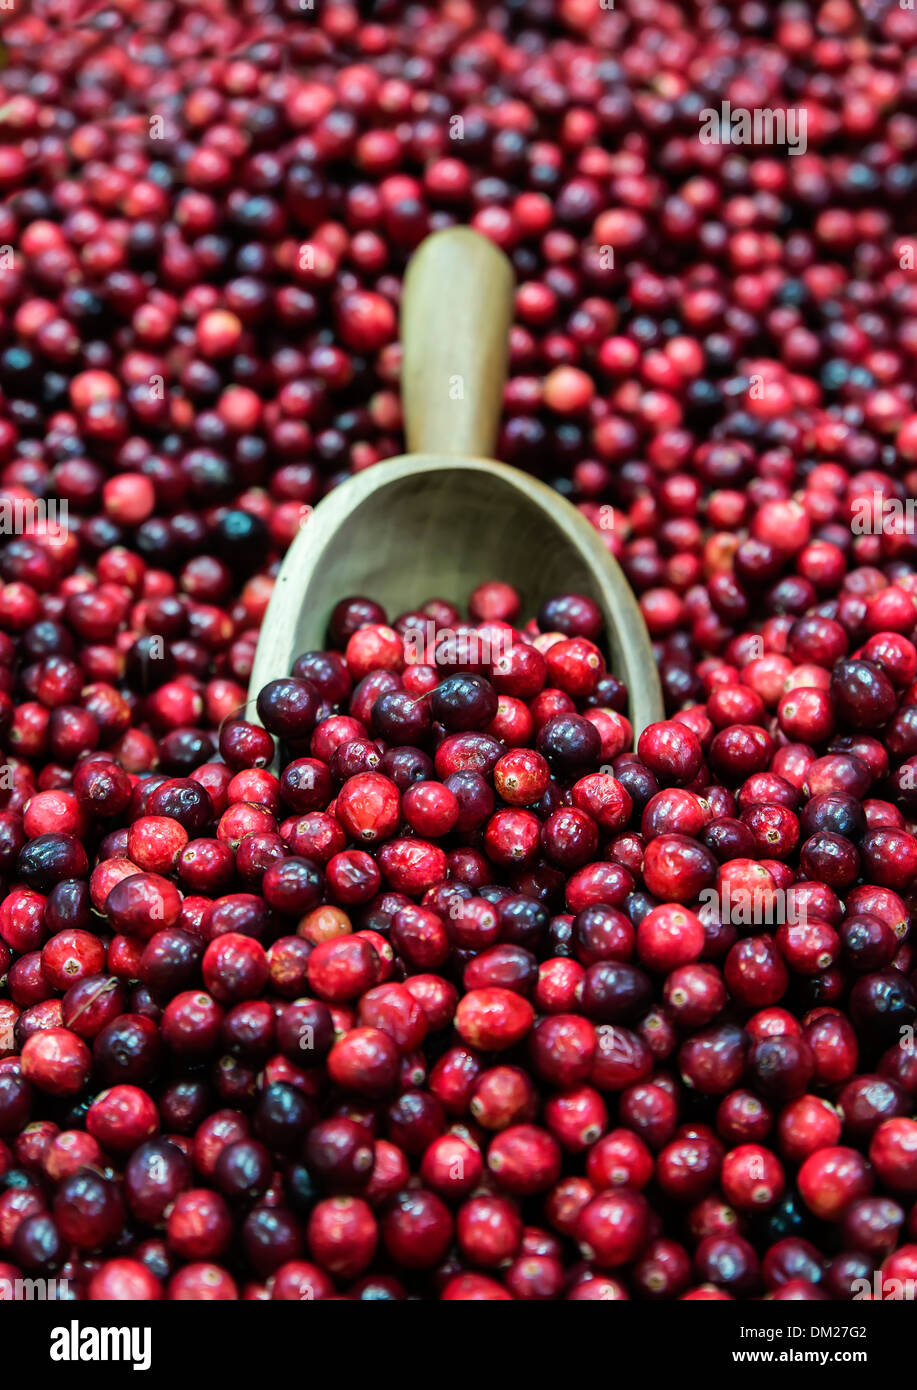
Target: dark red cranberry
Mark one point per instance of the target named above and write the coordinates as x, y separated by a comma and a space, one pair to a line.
88, 1210
155, 1174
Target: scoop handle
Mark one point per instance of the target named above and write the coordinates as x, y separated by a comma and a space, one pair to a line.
456, 311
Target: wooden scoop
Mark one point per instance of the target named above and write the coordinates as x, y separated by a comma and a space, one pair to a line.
443, 518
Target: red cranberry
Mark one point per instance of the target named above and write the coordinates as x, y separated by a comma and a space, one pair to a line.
416, 1229
831, 1179
613, 1228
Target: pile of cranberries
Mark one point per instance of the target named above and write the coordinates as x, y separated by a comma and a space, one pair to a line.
439, 1007
419, 979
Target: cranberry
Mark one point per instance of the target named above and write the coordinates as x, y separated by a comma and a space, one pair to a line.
127, 1049
142, 904
570, 744
831, 1179
464, 702
88, 1210
806, 1125
892, 1154
234, 967
493, 1019
342, 1235
671, 751
489, 1230
15, 1102
414, 1120
742, 1116
668, 937
524, 1159
191, 1024
728, 1262
712, 1061
416, 1229
122, 1280
430, 808
862, 694
365, 1061
881, 1004
613, 1228
202, 1281
752, 1177
157, 1172
122, 1118
873, 1225
452, 1166
270, 1237
56, 1061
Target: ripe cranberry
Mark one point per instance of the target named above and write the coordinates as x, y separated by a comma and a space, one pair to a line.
169, 961
688, 1165
893, 1154
452, 1166
191, 1024
619, 1159
368, 807
563, 1048
831, 1179
511, 838
122, 1118
570, 743
342, 969
141, 904
671, 751
412, 866
126, 1049
342, 1236
430, 808
493, 1019
416, 1229
365, 1061
881, 1004
713, 1060
695, 994
88, 1210
752, 1177
781, 1066
70, 1151
868, 1100
288, 707
464, 702
71, 956
489, 1230
234, 967
807, 1125
155, 842
668, 937
615, 992
56, 1061
156, 1173
199, 1225
270, 1237
202, 1281
790, 1260
663, 1271
243, 1170
873, 1225
613, 1228
729, 1262
414, 1120
524, 1160
834, 1048
862, 694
